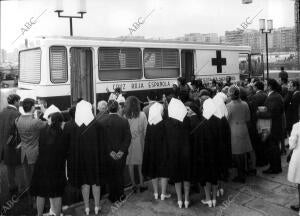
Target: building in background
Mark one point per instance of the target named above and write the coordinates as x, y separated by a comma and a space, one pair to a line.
252, 38
201, 38
234, 37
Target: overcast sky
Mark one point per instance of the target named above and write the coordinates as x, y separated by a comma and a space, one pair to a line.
112, 18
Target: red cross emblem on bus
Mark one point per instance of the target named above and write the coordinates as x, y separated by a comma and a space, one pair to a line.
219, 61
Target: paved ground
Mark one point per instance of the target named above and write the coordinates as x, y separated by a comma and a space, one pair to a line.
261, 195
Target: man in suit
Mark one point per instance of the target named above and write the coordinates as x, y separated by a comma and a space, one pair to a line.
256, 100
115, 136
283, 74
275, 110
292, 102
9, 154
29, 129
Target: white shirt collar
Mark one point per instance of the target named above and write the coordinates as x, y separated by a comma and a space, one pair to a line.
12, 106
270, 93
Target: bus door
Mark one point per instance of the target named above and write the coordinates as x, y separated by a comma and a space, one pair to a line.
187, 64
251, 65
81, 61
256, 65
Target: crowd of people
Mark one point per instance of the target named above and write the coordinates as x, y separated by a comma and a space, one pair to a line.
194, 135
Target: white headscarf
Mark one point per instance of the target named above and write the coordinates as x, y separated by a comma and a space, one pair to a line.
219, 101
209, 108
52, 109
177, 109
155, 113
83, 114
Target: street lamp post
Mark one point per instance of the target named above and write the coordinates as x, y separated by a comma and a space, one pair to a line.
266, 31
59, 10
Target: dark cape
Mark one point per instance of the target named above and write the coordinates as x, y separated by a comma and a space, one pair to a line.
178, 144
194, 122
49, 177
224, 149
91, 155
155, 152
210, 151
71, 137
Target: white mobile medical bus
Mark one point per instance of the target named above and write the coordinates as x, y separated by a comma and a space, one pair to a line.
63, 69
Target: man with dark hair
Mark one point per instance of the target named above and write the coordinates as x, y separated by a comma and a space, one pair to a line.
275, 110
115, 138
116, 94
9, 154
292, 102
183, 89
284, 87
283, 74
151, 99
255, 101
29, 130
228, 81
28, 104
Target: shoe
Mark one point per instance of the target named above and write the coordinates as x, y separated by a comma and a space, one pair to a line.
214, 203
209, 203
271, 171
239, 180
97, 209
179, 204
221, 191
165, 196
186, 204
87, 211
295, 207
51, 212
155, 196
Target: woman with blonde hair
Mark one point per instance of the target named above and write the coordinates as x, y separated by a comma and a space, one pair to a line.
238, 117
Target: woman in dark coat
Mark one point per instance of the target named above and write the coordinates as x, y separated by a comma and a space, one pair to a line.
71, 138
206, 164
224, 147
177, 137
90, 164
195, 118
48, 178
155, 152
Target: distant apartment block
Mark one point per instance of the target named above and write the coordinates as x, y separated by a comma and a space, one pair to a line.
281, 39
202, 38
234, 37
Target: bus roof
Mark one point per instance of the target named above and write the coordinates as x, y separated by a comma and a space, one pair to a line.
136, 41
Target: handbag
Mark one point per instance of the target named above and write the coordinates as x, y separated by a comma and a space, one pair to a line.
14, 137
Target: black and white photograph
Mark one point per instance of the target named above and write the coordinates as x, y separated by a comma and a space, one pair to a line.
149, 107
